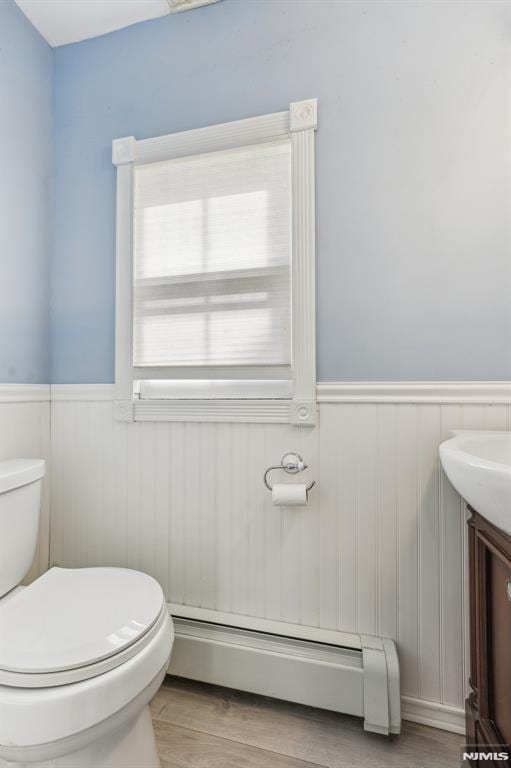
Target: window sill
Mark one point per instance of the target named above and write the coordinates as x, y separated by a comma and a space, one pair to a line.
248, 411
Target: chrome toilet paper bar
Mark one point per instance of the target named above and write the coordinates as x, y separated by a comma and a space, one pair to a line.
290, 463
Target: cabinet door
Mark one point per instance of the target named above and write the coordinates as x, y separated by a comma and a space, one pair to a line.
494, 642
500, 648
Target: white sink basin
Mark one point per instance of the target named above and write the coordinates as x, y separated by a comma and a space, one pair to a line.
478, 464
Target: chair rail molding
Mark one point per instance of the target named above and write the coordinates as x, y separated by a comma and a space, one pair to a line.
24, 393
82, 392
475, 392
415, 392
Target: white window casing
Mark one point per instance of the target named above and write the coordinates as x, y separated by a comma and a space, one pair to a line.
256, 331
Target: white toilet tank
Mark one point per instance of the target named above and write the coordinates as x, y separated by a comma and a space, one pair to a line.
20, 500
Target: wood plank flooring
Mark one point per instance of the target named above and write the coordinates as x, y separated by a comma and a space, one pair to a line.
203, 726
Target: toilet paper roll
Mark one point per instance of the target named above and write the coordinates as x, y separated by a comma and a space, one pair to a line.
289, 495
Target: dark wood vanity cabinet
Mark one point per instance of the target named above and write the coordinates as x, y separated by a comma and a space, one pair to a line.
488, 708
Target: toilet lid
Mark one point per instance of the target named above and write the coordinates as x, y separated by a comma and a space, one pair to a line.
70, 618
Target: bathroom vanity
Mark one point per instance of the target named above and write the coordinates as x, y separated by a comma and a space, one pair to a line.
488, 707
478, 464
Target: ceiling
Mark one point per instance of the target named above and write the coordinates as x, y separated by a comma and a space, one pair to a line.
68, 21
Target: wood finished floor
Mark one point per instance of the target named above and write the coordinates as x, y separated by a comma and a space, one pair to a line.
202, 726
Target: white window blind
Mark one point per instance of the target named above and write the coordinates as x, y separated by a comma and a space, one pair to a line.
212, 263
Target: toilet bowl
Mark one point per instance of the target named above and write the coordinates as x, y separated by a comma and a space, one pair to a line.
82, 652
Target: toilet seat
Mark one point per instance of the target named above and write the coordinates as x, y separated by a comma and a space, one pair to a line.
74, 624
64, 677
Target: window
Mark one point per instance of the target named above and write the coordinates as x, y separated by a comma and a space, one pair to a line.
215, 272
212, 261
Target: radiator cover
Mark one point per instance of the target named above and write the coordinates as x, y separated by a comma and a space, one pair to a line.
361, 681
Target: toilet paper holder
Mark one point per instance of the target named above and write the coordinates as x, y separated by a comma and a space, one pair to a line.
292, 463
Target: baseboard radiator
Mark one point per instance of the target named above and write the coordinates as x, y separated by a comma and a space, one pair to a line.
361, 681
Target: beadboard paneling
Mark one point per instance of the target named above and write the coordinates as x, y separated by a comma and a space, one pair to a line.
379, 550
186, 502
25, 433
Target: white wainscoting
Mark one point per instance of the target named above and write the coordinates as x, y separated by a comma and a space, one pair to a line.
25, 433
379, 550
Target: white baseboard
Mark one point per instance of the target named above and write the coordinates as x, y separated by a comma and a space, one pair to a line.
434, 714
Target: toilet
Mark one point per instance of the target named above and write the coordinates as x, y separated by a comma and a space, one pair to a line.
82, 651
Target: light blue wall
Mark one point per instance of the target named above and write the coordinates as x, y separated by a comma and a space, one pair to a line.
413, 259
25, 198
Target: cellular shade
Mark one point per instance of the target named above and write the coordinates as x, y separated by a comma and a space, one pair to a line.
212, 259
